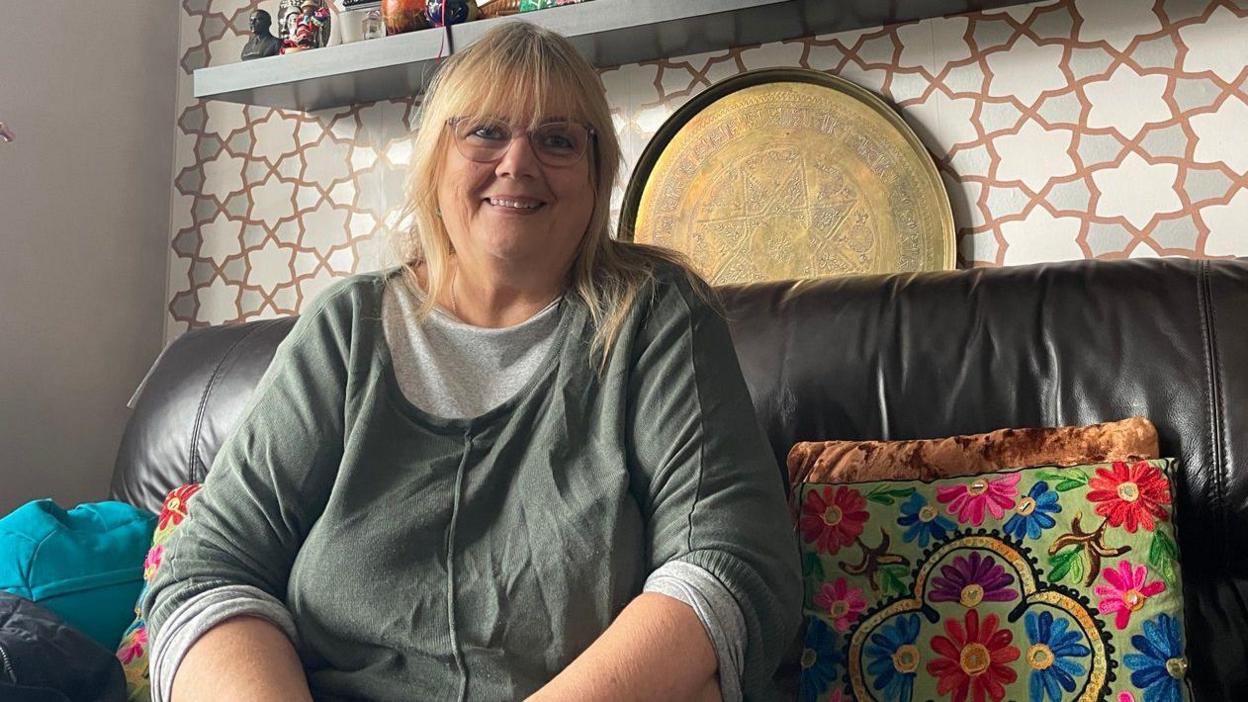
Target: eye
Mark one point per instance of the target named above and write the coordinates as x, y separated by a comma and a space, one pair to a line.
487, 131
560, 138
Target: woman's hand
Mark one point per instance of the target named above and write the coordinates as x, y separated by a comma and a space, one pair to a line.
244, 658
657, 649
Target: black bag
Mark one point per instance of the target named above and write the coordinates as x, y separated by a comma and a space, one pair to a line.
43, 659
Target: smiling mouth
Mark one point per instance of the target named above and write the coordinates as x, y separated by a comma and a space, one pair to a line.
517, 204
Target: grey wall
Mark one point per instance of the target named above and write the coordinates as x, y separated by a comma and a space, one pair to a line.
84, 216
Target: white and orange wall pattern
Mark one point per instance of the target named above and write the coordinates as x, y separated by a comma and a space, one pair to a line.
1063, 129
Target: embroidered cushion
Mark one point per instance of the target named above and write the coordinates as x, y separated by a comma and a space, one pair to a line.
133, 648
1035, 584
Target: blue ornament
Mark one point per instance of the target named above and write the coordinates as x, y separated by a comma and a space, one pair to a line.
451, 11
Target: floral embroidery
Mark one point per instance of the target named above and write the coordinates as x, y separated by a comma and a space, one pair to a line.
971, 580
1130, 496
833, 518
152, 561
894, 658
134, 646
973, 661
1126, 592
969, 500
1010, 587
844, 604
821, 660
175, 505
1053, 648
1159, 666
1034, 513
922, 521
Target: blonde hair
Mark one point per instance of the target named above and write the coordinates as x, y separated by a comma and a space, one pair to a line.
519, 66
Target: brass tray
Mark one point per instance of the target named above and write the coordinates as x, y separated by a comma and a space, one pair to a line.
787, 173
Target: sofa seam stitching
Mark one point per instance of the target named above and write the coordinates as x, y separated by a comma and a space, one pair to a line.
1214, 402
203, 400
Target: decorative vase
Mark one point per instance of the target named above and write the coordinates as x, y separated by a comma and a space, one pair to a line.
403, 15
498, 8
443, 12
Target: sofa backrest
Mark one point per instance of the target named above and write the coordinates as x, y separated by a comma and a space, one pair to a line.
910, 356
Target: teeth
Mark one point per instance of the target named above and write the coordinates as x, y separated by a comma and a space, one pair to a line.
514, 204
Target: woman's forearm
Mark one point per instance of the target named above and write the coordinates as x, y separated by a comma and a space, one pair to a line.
656, 649
244, 658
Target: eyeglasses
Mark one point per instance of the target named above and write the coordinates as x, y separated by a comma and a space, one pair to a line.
556, 144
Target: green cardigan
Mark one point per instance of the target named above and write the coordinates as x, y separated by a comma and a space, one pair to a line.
431, 558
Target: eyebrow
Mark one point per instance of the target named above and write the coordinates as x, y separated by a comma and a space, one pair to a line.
548, 119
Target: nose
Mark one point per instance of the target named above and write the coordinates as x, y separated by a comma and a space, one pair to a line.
518, 160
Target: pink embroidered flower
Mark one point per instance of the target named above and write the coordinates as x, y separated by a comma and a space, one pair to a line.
1126, 697
842, 602
1127, 591
133, 648
152, 562
969, 500
832, 518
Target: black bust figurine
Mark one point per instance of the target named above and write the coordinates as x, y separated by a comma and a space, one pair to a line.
262, 42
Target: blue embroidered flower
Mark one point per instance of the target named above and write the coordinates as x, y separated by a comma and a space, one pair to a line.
1033, 514
1159, 666
894, 658
922, 521
1054, 646
821, 659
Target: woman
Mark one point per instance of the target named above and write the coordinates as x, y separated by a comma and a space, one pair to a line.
524, 464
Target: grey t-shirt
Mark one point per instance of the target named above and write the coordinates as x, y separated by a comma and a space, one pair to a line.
450, 368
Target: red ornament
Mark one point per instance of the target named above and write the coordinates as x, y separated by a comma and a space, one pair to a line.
404, 15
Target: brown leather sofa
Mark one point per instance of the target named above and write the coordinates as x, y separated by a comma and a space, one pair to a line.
910, 356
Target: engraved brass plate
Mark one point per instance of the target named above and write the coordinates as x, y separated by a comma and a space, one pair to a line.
790, 173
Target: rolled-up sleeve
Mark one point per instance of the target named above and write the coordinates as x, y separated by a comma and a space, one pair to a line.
703, 472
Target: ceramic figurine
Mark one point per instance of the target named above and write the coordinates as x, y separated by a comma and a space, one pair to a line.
451, 11
373, 28
262, 42
287, 11
403, 15
310, 29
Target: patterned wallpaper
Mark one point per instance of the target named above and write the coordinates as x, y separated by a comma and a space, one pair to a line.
1064, 129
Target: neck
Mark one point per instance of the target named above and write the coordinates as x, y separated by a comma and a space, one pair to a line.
489, 297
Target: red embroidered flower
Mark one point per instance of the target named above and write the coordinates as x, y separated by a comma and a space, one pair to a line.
1130, 495
175, 505
832, 517
133, 648
844, 604
973, 661
1127, 591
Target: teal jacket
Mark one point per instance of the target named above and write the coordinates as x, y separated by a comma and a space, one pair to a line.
431, 558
